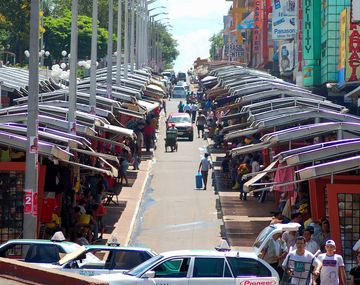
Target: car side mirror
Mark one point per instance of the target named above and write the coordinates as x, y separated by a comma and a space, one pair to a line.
149, 274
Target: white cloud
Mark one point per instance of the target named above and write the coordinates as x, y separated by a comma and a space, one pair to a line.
192, 45
185, 9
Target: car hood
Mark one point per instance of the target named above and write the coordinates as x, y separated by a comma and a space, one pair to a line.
181, 124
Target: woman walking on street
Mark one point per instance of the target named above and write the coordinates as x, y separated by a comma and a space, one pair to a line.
205, 165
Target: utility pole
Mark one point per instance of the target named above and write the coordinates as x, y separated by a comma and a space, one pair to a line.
110, 49
31, 168
132, 38
73, 68
93, 58
119, 44
126, 41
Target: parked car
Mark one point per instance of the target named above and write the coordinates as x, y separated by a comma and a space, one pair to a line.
37, 250
191, 267
183, 123
267, 233
181, 76
90, 260
179, 92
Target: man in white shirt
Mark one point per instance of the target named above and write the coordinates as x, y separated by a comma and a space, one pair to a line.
205, 165
298, 265
332, 266
311, 245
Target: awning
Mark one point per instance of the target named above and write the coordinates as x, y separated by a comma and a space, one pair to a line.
329, 168
97, 154
156, 88
114, 129
149, 106
100, 170
250, 148
240, 133
260, 175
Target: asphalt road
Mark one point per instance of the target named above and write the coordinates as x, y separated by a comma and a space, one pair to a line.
174, 215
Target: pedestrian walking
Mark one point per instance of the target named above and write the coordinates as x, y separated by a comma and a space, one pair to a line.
332, 268
200, 124
204, 167
148, 135
298, 265
311, 245
164, 106
355, 271
274, 253
193, 109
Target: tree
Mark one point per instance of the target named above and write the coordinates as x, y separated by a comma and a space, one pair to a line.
217, 42
58, 32
15, 21
168, 46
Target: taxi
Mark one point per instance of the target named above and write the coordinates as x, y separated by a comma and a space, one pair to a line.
192, 267
90, 260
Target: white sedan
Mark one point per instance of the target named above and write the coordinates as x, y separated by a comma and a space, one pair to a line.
192, 267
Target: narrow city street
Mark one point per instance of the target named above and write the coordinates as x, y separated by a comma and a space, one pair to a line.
174, 215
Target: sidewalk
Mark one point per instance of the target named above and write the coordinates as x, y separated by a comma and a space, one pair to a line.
120, 219
243, 220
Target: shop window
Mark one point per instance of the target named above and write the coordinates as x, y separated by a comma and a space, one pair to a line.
11, 205
349, 220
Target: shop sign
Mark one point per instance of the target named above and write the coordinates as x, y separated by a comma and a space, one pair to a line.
283, 19
28, 201
353, 52
355, 7
342, 48
257, 26
286, 60
234, 50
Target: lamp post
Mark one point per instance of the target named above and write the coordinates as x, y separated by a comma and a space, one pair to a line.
31, 168
73, 68
119, 44
110, 50
92, 99
153, 37
126, 40
132, 36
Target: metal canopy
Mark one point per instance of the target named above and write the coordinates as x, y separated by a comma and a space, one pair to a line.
44, 148
329, 168
328, 152
250, 148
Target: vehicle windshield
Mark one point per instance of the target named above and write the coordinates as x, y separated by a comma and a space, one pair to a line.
143, 267
262, 236
179, 119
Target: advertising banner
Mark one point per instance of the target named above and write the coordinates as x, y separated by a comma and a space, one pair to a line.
355, 10
283, 19
286, 57
353, 51
342, 47
257, 26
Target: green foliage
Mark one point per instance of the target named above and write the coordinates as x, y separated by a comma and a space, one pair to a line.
58, 32
168, 46
15, 26
217, 41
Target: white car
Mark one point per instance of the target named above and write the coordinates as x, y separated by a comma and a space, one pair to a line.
192, 267
90, 260
179, 92
267, 233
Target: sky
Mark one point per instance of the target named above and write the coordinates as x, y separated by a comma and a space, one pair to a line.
194, 22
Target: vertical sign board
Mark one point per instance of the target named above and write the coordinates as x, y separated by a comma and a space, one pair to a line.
355, 8
283, 19
257, 27
311, 35
286, 57
28, 201
342, 47
299, 34
353, 51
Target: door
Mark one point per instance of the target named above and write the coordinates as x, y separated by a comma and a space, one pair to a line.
174, 271
211, 271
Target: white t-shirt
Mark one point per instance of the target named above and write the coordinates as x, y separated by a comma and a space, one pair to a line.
205, 164
312, 246
329, 274
300, 266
